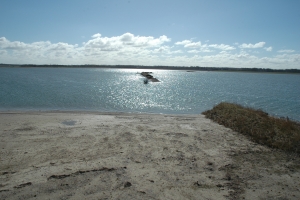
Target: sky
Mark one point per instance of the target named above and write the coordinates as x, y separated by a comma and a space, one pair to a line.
206, 33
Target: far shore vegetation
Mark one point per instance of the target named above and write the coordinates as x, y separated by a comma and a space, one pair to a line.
279, 133
190, 68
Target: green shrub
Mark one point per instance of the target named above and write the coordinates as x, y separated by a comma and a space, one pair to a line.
277, 133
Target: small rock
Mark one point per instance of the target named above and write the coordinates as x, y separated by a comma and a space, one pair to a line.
127, 184
197, 184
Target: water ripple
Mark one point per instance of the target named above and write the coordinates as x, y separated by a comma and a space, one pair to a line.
123, 90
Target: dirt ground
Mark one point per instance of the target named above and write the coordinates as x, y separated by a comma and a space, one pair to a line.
68, 155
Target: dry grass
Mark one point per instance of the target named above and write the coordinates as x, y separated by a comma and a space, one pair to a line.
277, 133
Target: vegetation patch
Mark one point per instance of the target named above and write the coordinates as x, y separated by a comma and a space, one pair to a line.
274, 132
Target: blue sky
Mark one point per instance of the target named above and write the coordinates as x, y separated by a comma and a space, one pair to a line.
220, 33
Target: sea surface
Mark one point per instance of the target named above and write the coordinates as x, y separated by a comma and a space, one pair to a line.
123, 90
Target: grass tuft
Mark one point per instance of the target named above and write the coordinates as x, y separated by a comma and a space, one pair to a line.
276, 133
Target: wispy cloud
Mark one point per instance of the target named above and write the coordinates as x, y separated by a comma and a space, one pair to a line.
189, 44
252, 46
184, 42
286, 51
166, 50
268, 48
223, 47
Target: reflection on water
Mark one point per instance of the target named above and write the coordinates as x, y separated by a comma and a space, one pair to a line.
123, 90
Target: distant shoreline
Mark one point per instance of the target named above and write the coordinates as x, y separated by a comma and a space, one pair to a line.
189, 69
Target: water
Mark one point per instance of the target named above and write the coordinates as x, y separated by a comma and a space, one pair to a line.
123, 90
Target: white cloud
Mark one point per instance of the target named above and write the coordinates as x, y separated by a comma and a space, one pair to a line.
205, 50
223, 47
59, 46
126, 41
129, 49
193, 45
252, 46
204, 47
6, 44
3, 42
97, 48
96, 35
194, 51
286, 51
127, 38
189, 44
184, 42
166, 50
268, 48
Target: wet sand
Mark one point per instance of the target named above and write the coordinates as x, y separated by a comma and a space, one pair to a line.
69, 155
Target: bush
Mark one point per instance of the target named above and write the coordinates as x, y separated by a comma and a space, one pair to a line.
277, 133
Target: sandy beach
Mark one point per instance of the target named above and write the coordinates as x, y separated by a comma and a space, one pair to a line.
73, 155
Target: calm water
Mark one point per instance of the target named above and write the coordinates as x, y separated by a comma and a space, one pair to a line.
122, 90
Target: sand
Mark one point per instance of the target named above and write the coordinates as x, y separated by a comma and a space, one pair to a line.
68, 155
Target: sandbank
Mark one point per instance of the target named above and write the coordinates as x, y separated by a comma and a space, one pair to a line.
73, 155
